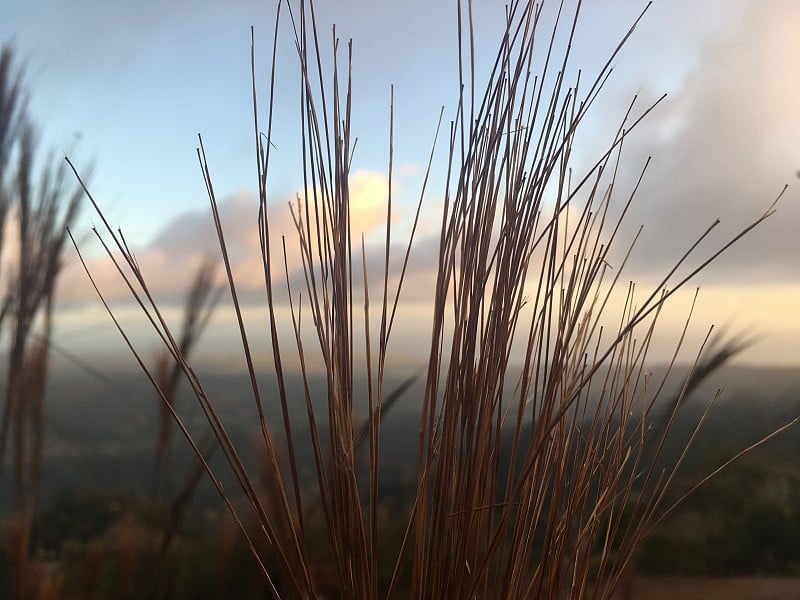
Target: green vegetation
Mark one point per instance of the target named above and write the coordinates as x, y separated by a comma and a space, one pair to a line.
541, 454
745, 520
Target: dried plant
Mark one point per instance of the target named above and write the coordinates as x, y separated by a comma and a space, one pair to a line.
523, 270
200, 303
11, 105
43, 203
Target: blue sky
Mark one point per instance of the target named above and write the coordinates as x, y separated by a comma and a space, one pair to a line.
131, 84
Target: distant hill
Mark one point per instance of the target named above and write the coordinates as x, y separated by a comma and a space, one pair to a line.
100, 430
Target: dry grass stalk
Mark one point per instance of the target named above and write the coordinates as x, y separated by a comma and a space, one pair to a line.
43, 204
201, 300
523, 262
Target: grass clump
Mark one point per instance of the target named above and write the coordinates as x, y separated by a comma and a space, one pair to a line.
540, 481
38, 200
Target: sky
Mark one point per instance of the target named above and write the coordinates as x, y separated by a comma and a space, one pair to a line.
128, 86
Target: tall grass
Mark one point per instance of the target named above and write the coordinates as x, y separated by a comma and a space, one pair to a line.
201, 300
540, 485
37, 203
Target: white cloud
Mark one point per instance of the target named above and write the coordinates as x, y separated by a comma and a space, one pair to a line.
170, 260
723, 146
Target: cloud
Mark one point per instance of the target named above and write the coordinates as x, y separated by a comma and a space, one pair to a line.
723, 147
171, 259
94, 35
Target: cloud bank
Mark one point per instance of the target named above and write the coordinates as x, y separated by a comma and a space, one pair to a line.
723, 146
171, 259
